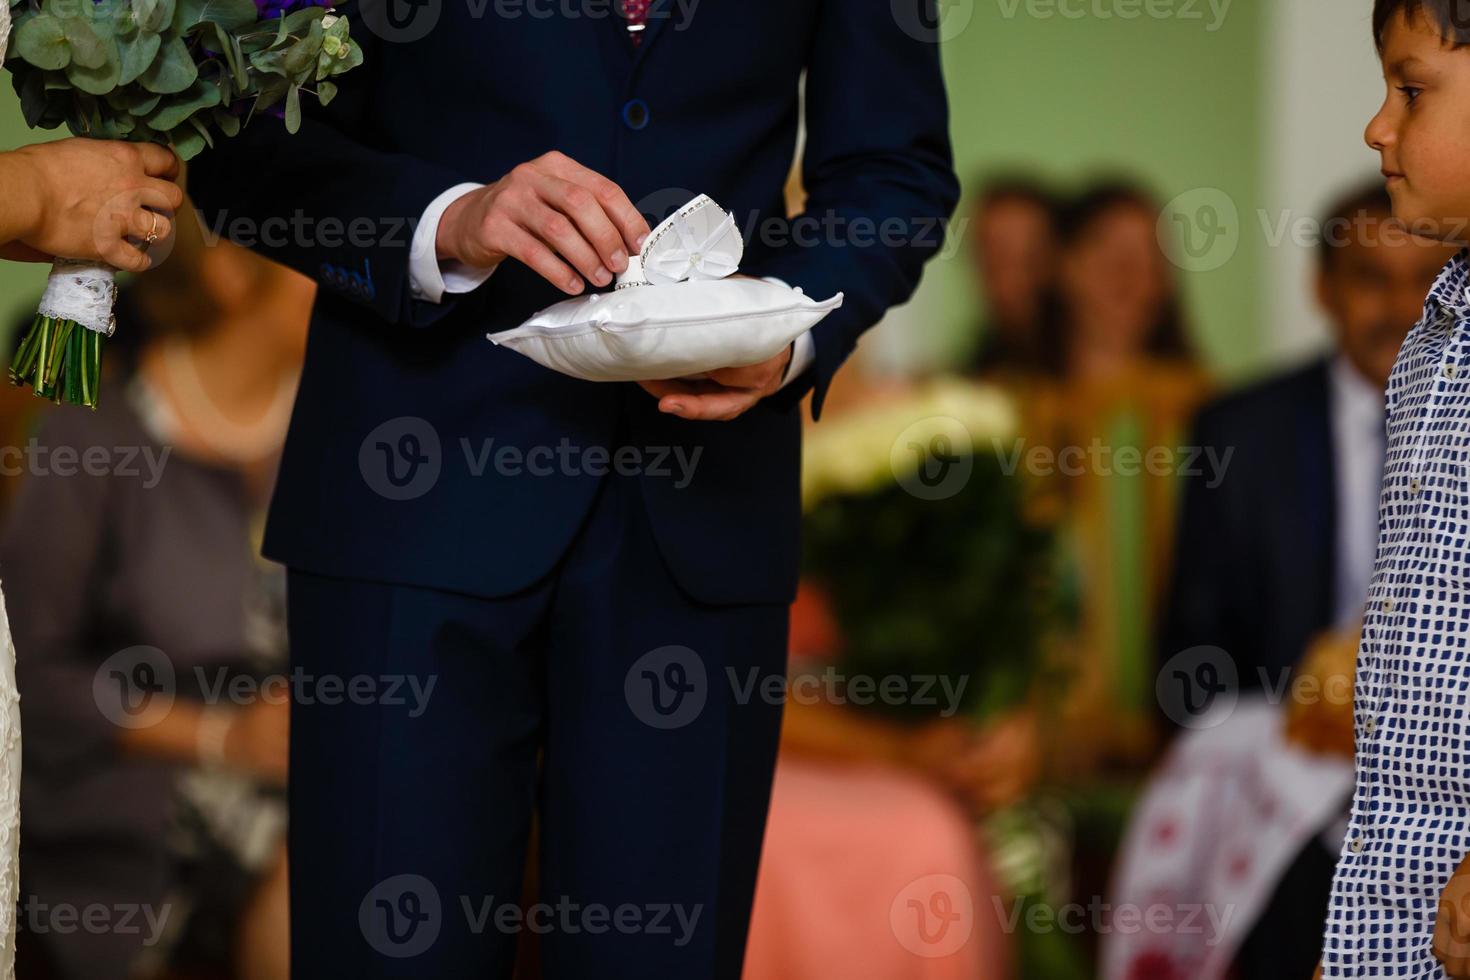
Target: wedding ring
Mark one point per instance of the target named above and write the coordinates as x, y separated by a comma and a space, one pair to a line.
152, 231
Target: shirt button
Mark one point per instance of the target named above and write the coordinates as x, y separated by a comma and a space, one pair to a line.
1370, 726
1449, 370
1357, 845
1415, 486
635, 114
1388, 605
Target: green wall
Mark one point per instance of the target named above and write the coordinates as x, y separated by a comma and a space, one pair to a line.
1166, 99
20, 283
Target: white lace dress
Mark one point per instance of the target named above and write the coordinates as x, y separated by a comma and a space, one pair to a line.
9, 739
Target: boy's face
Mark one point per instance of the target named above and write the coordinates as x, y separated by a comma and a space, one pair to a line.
1422, 133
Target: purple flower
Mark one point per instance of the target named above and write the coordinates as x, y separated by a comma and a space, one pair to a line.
271, 9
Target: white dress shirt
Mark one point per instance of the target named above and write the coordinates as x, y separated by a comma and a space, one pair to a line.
1359, 423
429, 279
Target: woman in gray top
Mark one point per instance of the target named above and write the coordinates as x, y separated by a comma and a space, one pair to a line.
150, 639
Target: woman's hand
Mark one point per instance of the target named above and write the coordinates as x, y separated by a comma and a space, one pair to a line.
86, 199
258, 741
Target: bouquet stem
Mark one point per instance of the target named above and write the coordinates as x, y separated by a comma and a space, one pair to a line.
60, 356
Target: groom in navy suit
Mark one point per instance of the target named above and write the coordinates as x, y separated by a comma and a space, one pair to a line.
593, 577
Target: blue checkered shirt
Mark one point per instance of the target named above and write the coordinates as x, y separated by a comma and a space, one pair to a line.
1410, 824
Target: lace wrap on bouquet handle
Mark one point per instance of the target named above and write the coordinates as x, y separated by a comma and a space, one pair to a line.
81, 291
4, 28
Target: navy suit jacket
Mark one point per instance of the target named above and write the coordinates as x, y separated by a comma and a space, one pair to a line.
458, 90
1255, 557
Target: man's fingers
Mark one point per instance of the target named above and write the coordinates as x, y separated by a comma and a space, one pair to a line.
530, 250
750, 376
713, 406
582, 206
630, 223
558, 231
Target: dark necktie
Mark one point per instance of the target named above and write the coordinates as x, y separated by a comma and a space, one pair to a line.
636, 12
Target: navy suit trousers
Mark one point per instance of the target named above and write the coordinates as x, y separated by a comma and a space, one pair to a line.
637, 723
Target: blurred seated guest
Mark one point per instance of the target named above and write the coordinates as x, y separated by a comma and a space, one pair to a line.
1105, 427
1013, 248
1219, 822
151, 640
907, 713
1280, 551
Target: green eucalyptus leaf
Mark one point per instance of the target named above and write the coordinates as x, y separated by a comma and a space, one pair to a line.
301, 57
115, 127
172, 71
145, 103
62, 9
268, 62
100, 80
272, 90
232, 55
187, 142
87, 49
138, 53
41, 40
227, 122
232, 15
198, 123
153, 16
347, 62
300, 21
293, 109
201, 95
326, 92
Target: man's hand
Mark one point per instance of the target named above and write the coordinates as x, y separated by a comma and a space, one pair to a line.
546, 213
86, 199
720, 395
1452, 924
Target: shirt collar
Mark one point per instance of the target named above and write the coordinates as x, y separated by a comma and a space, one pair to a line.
1356, 399
1449, 294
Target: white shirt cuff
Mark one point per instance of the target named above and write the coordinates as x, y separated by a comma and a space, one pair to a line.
803, 352
428, 278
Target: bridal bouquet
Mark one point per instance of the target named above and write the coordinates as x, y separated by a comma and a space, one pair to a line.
177, 72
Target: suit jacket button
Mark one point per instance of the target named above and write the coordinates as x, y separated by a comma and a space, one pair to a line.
635, 114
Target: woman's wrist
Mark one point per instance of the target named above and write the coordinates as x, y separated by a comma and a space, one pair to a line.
21, 210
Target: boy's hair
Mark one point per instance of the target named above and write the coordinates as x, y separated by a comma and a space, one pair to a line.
1450, 17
